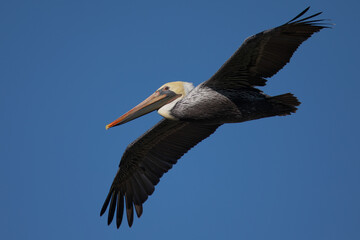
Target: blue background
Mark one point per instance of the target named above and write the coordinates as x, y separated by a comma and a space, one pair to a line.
68, 68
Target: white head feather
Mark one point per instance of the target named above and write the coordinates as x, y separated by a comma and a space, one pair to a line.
182, 88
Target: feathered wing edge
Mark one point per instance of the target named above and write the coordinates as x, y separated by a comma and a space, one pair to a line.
264, 54
145, 161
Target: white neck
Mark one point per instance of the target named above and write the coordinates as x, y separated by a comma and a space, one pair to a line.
188, 87
165, 110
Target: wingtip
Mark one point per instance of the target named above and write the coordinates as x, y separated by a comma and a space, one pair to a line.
106, 203
102, 212
299, 15
130, 224
138, 210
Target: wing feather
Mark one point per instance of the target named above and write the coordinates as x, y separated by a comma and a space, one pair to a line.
129, 203
146, 160
119, 209
112, 207
138, 210
264, 54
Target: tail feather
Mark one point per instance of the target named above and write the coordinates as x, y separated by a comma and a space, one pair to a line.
285, 104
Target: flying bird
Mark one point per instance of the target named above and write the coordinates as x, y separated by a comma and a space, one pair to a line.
192, 114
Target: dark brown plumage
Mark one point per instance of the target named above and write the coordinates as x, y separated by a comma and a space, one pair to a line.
140, 170
228, 96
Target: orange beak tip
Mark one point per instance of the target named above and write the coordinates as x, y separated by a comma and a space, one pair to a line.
107, 127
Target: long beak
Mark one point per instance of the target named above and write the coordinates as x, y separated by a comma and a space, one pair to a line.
154, 102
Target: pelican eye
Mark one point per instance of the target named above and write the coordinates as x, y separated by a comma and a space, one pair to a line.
166, 88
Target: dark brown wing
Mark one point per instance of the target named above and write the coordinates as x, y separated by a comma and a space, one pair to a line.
264, 54
146, 160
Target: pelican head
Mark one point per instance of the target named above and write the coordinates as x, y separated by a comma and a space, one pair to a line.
163, 100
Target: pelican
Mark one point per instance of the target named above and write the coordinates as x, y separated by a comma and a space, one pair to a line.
191, 114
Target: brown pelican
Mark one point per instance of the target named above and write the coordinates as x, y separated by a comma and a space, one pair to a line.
193, 114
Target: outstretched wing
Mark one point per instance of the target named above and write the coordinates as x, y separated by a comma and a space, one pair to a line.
264, 54
146, 160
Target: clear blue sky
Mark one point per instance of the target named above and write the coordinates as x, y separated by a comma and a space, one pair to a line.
68, 68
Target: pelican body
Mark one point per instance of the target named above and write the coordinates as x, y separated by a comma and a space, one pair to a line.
208, 106
192, 114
